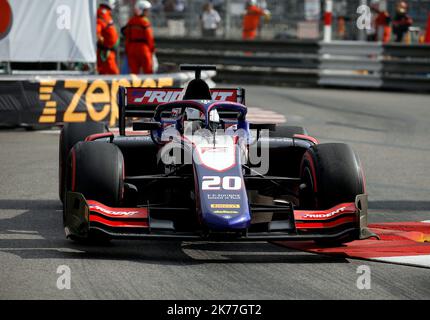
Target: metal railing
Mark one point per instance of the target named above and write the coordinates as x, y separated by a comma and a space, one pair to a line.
338, 63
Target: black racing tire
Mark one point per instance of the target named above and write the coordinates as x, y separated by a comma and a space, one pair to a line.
284, 131
71, 133
96, 169
331, 174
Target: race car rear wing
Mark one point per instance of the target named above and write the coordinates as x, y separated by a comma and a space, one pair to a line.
142, 102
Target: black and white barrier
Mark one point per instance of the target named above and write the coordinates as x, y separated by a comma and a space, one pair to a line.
50, 100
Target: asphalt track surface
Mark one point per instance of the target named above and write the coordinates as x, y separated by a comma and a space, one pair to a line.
389, 130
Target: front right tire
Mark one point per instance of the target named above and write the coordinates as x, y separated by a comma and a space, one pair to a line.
72, 133
96, 170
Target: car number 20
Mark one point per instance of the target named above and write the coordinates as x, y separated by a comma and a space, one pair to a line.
218, 183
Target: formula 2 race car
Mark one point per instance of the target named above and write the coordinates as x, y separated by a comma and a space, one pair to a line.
193, 167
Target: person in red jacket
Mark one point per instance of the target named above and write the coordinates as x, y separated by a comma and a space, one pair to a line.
139, 40
251, 20
382, 25
402, 21
107, 39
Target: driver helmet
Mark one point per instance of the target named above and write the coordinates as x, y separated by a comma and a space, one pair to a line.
194, 114
190, 124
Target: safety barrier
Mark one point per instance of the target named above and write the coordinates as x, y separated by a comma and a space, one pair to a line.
308, 63
34, 101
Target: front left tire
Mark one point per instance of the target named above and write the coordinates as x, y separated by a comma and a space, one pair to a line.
331, 174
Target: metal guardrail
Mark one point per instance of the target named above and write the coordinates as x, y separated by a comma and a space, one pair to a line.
412, 50
364, 64
243, 60
270, 46
338, 63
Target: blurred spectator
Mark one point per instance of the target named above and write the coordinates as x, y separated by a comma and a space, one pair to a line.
175, 11
218, 5
383, 28
139, 39
157, 6
210, 21
251, 19
107, 39
381, 20
374, 11
402, 21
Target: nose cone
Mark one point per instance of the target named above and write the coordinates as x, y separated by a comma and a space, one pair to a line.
226, 218
222, 201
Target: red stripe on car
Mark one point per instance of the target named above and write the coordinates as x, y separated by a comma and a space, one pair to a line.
324, 225
96, 136
123, 224
133, 213
312, 215
306, 137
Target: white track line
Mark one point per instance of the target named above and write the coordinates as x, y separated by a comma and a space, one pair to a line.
416, 261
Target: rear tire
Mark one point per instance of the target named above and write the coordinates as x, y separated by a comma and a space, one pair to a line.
284, 131
71, 133
331, 174
96, 169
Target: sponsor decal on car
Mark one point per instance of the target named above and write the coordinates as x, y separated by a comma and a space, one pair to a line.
158, 96
226, 212
151, 95
225, 206
324, 215
221, 158
112, 212
223, 196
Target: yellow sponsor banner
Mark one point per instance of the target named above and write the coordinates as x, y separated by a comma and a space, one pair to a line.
50, 104
44, 96
47, 119
48, 82
225, 206
46, 89
99, 97
50, 111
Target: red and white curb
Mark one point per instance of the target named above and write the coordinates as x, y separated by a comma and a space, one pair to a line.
258, 115
415, 261
406, 243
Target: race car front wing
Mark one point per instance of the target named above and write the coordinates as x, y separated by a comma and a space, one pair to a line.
83, 216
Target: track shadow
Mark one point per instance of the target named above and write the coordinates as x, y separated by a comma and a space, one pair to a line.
37, 233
